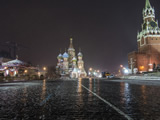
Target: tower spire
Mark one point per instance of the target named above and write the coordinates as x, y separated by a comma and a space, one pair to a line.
148, 5
71, 43
148, 12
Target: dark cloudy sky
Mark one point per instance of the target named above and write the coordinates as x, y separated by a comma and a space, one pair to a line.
105, 30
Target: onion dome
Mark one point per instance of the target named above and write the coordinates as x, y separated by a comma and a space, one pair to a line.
65, 55
59, 56
74, 59
80, 54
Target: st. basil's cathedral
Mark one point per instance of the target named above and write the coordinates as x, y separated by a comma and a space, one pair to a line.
68, 65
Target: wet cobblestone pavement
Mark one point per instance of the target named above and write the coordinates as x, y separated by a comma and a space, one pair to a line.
70, 100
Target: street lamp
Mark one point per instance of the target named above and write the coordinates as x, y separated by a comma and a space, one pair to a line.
121, 66
120, 70
44, 68
26, 71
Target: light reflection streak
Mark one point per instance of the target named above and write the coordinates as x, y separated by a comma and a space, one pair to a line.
94, 86
43, 90
143, 88
122, 92
90, 87
125, 93
98, 88
79, 90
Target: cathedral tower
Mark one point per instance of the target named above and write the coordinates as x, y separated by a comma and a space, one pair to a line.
71, 52
80, 61
59, 64
82, 72
65, 63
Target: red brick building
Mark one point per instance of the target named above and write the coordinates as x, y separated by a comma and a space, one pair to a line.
148, 41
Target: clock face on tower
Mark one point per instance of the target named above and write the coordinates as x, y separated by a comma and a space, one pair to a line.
153, 24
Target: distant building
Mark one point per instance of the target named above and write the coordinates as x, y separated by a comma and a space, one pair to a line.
148, 40
69, 65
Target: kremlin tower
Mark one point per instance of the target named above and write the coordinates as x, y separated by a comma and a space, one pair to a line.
148, 55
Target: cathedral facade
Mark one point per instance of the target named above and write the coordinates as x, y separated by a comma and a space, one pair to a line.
148, 55
70, 65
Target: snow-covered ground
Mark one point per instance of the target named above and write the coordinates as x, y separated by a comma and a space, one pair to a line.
141, 77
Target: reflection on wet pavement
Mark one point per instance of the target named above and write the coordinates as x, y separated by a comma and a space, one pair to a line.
67, 99
43, 90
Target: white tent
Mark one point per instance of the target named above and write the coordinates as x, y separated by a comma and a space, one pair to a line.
15, 62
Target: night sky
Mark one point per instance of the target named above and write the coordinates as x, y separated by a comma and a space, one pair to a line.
106, 31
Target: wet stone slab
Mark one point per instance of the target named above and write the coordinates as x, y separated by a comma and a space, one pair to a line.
52, 100
68, 100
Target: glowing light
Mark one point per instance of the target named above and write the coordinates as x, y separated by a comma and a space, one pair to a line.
26, 71
100, 76
141, 67
44, 68
124, 68
15, 72
7, 72
71, 38
39, 73
90, 69
126, 71
121, 66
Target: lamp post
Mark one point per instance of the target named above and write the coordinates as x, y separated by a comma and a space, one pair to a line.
132, 65
120, 70
45, 71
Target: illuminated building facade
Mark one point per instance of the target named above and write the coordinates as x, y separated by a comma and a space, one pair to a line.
68, 65
148, 55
